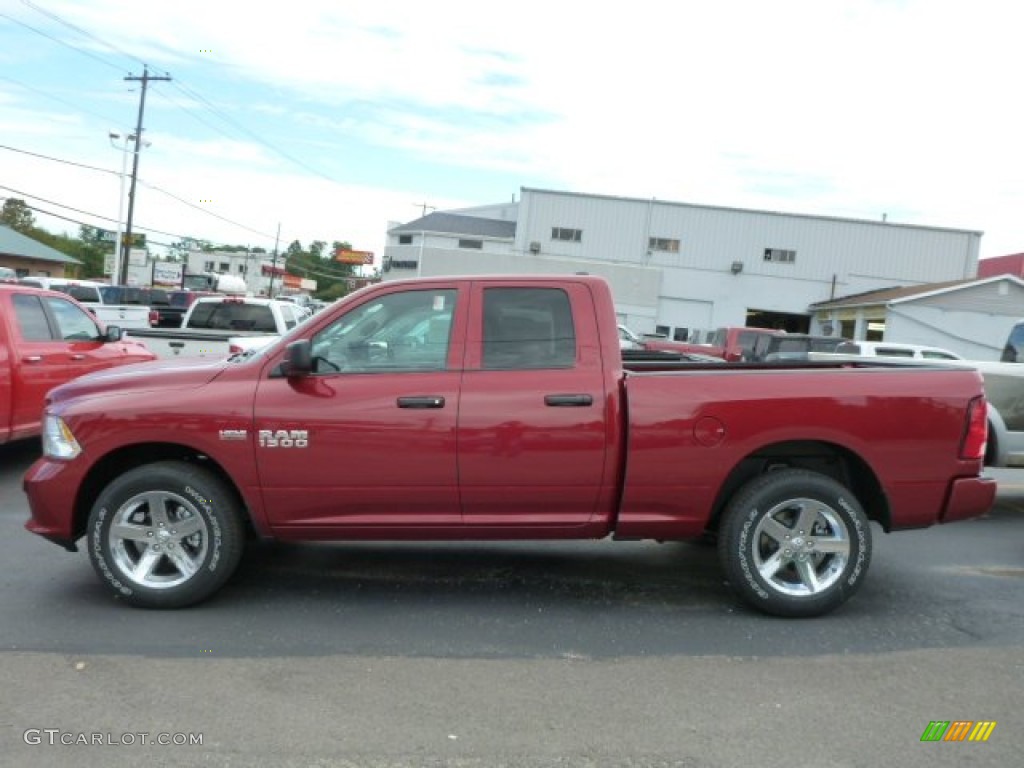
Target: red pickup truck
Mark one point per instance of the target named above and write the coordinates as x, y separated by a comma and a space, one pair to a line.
501, 408
46, 339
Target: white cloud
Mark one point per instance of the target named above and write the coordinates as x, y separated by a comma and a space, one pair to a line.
845, 108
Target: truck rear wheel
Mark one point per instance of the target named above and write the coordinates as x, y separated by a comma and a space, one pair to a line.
794, 543
165, 535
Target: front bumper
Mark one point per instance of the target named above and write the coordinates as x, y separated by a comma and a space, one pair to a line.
52, 487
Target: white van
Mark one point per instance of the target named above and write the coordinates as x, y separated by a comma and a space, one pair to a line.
892, 349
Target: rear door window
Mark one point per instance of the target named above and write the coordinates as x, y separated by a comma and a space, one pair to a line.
528, 328
31, 316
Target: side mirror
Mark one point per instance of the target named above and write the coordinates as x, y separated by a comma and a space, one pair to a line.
298, 359
114, 333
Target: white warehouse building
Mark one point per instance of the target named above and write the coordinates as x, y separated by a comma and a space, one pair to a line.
680, 269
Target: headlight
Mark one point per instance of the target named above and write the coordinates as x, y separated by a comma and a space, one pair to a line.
58, 442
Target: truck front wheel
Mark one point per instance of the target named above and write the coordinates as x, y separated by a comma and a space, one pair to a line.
794, 543
165, 535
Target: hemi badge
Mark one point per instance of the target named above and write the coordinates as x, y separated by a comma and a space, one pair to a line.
234, 434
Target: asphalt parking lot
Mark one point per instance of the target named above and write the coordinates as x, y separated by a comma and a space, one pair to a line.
518, 654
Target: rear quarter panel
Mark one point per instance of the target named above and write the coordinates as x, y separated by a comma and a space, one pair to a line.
6, 380
689, 430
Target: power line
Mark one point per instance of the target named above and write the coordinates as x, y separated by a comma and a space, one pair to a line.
231, 121
187, 91
144, 183
93, 56
84, 32
58, 160
191, 113
28, 87
81, 223
86, 213
60, 205
203, 210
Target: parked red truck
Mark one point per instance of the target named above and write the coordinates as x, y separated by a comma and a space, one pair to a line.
732, 343
500, 408
46, 339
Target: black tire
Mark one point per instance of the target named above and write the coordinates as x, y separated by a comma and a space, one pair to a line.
165, 535
794, 543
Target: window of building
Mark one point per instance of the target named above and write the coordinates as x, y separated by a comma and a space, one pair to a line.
225, 266
662, 330
567, 235
663, 244
207, 266
779, 255
241, 269
405, 239
478, 244
528, 328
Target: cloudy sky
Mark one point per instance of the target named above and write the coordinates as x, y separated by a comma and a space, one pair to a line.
332, 118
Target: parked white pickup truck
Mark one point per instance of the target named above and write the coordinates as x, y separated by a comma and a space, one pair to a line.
93, 296
212, 321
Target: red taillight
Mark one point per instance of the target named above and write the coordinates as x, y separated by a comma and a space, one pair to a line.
972, 447
234, 349
154, 317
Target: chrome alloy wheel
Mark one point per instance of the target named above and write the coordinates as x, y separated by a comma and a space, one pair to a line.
158, 539
801, 547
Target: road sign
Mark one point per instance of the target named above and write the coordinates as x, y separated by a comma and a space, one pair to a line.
353, 257
106, 236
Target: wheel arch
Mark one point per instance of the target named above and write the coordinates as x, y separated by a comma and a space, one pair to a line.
830, 459
131, 456
995, 449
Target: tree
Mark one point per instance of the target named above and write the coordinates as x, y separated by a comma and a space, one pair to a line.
332, 277
90, 251
336, 291
18, 216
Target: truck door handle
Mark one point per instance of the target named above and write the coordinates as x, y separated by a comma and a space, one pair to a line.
570, 401
423, 401
78, 357
33, 359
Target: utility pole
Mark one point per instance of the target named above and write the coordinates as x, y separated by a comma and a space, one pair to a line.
273, 268
127, 244
423, 208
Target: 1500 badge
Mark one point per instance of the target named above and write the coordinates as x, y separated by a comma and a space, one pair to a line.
284, 438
